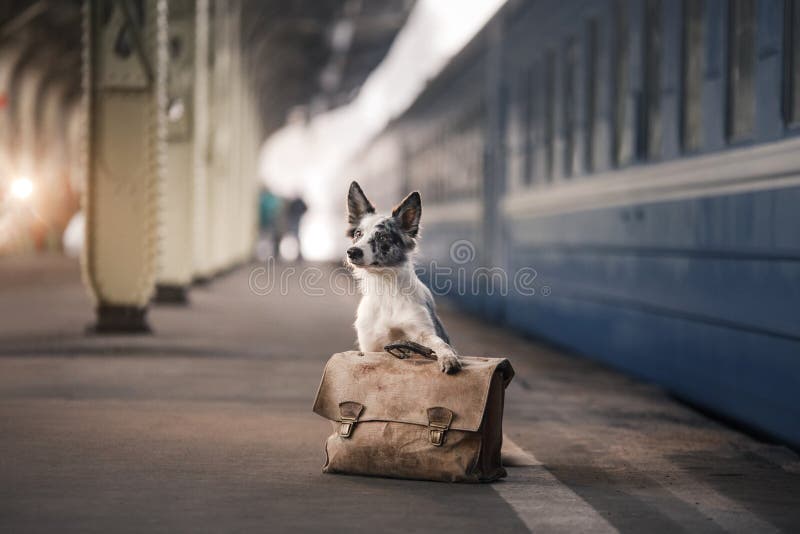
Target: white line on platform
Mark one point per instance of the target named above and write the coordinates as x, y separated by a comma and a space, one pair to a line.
540, 500
727, 513
516, 456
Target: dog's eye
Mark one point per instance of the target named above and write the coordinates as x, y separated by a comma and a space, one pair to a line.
357, 234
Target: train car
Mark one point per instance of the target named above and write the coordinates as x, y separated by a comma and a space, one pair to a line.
622, 178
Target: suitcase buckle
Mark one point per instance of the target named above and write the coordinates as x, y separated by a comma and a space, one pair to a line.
439, 420
437, 437
349, 412
346, 428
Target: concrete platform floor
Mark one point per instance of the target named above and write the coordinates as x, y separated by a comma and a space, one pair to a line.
206, 426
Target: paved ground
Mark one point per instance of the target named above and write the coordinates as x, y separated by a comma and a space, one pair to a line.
207, 427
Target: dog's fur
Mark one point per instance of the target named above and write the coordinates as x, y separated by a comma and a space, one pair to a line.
396, 305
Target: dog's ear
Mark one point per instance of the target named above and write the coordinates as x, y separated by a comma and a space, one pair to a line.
408, 213
357, 206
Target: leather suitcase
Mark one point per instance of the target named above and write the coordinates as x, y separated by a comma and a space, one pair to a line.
401, 417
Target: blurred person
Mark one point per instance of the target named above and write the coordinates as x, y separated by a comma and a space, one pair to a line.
269, 208
291, 215
281, 219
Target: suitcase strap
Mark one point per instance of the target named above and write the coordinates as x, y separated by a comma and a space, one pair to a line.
403, 349
439, 420
349, 412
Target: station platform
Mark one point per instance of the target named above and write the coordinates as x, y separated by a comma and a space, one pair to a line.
206, 426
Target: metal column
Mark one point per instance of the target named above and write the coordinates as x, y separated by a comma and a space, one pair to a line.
176, 259
201, 263
124, 73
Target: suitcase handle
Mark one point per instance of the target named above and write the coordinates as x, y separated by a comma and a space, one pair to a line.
403, 349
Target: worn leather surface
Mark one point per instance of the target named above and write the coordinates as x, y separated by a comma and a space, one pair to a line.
403, 451
402, 402
398, 390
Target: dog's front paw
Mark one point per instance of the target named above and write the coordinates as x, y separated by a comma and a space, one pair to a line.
449, 362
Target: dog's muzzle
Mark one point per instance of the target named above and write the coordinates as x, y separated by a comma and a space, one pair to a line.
355, 254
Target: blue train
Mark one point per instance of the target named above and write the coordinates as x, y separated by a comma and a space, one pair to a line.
639, 161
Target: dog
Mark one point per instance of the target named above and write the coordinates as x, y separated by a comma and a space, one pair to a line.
395, 305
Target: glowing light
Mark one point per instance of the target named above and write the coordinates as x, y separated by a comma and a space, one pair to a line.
175, 110
289, 248
21, 188
321, 238
73, 237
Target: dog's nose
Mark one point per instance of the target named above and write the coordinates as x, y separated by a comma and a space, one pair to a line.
355, 253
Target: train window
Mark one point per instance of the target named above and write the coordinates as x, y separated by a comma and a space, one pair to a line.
652, 78
478, 143
568, 105
592, 96
520, 123
622, 149
527, 109
512, 133
693, 53
538, 156
792, 107
741, 73
549, 110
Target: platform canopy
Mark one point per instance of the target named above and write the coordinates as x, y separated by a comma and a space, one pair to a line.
306, 55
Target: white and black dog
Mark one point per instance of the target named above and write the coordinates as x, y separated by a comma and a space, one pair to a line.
396, 305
